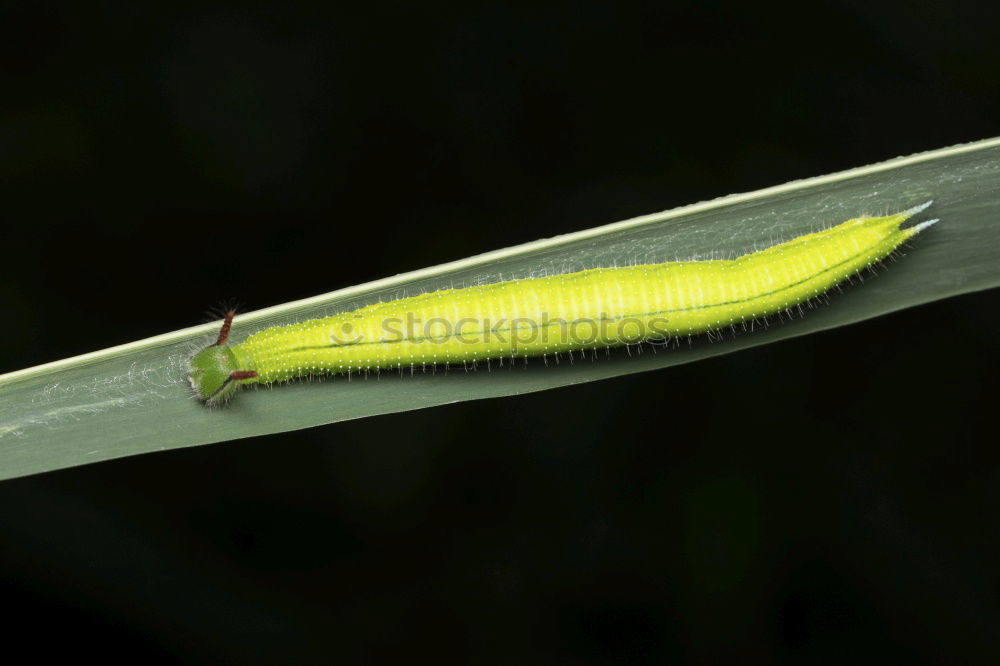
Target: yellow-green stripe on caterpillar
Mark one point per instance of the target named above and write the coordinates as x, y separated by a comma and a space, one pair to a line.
599, 307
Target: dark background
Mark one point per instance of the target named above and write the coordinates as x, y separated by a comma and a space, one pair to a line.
826, 500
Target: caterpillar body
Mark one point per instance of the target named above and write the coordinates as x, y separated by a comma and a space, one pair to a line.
599, 307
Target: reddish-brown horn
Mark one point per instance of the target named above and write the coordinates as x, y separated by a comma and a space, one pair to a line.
226, 325
237, 375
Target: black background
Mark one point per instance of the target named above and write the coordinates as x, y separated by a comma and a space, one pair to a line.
828, 499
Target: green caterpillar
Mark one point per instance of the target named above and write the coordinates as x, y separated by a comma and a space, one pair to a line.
600, 307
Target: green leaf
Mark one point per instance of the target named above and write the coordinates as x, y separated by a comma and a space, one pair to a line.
135, 399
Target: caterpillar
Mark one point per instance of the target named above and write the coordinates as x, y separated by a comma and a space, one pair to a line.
598, 307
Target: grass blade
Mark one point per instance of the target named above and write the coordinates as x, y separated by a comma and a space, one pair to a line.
134, 399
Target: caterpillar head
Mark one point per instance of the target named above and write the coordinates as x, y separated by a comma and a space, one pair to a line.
214, 371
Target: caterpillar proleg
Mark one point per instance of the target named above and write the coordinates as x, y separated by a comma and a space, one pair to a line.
598, 307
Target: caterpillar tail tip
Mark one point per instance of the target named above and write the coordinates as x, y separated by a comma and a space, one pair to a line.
918, 208
892, 222
917, 228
